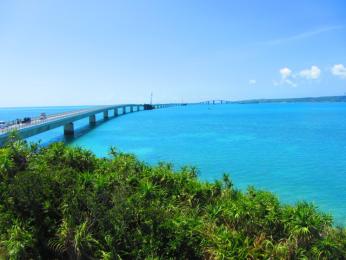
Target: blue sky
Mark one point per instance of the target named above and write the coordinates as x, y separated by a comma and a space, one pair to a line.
106, 52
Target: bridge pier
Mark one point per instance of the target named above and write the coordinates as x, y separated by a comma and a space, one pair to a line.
69, 129
131, 109
124, 110
116, 112
105, 115
92, 120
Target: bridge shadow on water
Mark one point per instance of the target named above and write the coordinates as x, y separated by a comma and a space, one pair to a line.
79, 132
82, 130
81, 127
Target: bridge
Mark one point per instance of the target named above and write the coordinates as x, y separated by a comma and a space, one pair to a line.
42, 124
216, 101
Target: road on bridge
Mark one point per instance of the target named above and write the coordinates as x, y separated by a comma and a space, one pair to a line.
37, 120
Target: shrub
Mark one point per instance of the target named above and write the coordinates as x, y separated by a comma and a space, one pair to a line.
63, 202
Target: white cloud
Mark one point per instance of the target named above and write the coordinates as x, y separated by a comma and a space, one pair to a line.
339, 70
286, 78
285, 73
252, 82
313, 73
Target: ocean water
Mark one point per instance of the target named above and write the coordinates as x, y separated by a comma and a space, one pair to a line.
296, 150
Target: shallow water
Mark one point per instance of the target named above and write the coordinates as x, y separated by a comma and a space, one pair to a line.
296, 150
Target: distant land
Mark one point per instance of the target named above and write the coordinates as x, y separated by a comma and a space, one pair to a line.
294, 100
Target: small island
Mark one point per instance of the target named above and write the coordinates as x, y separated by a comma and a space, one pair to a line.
294, 100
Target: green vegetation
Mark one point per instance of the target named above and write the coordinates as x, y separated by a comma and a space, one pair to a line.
61, 202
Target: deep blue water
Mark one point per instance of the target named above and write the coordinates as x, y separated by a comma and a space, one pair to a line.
296, 150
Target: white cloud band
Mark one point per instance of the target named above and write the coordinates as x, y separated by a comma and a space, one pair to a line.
313, 73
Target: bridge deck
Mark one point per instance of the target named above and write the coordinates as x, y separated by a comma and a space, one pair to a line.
38, 125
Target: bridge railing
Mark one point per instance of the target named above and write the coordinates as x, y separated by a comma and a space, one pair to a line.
17, 125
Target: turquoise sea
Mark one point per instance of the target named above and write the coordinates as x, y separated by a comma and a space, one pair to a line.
296, 150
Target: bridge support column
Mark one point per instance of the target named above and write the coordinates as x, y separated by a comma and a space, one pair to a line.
116, 112
92, 120
69, 129
131, 109
138, 108
105, 114
124, 110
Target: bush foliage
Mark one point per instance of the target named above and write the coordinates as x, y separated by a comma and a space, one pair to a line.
60, 202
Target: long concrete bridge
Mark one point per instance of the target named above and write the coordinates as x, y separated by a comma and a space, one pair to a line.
42, 124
